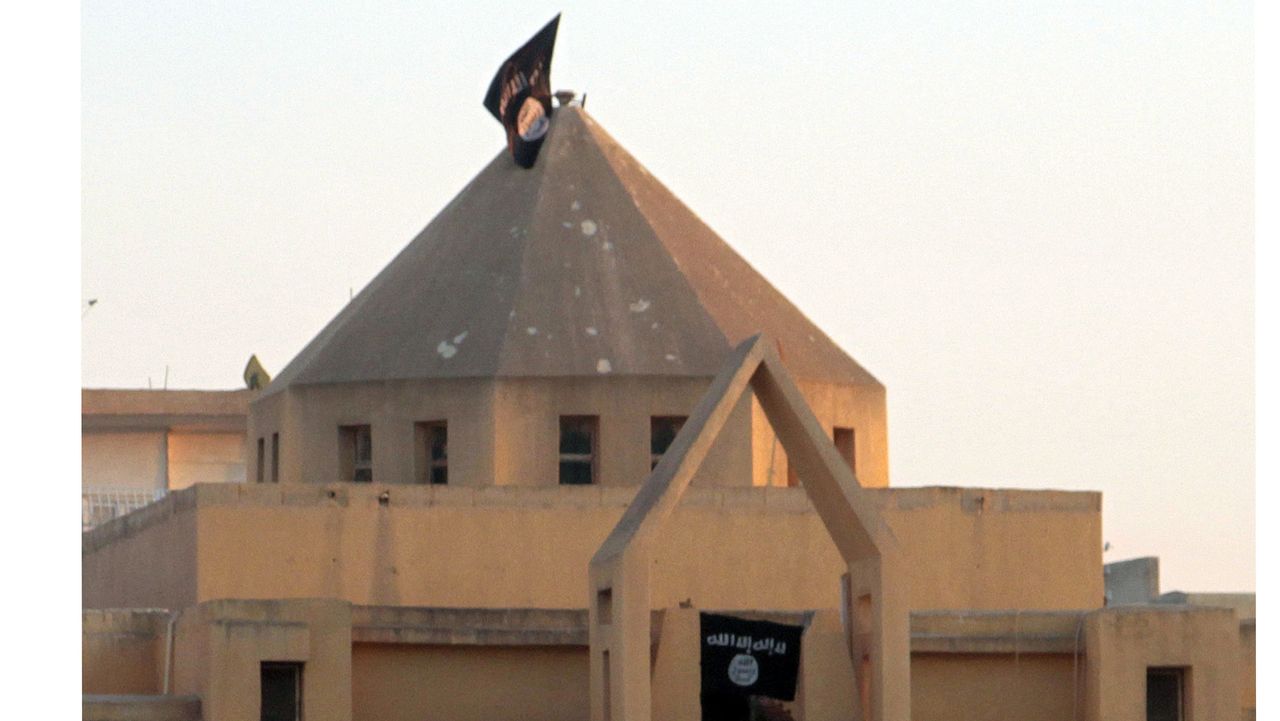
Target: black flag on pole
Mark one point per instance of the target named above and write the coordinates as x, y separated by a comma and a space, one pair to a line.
742, 658
520, 95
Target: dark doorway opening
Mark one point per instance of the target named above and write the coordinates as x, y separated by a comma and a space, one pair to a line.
281, 691
1166, 694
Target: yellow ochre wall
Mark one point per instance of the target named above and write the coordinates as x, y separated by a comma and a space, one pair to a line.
1123, 641
400, 682
449, 547
122, 651
992, 687
505, 432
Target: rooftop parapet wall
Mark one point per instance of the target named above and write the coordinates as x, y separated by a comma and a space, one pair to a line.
729, 548
112, 409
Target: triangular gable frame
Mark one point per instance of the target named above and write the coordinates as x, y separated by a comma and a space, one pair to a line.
619, 595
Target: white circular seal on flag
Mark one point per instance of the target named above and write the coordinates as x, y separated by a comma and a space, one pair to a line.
744, 670
532, 123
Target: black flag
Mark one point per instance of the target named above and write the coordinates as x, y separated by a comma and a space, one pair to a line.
520, 95
742, 658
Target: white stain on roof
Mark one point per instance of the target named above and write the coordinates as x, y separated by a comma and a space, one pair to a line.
460, 337
446, 350
567, 224
670, 357
654, 326
531, 330
589, 228
592, 331
603, 366
640, 306
577, 292
576, 206
515, 231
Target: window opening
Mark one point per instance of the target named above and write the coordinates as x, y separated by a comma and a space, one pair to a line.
844, 440
662, 432
433, 452
357, 447
275, 457
578, 444
262, 453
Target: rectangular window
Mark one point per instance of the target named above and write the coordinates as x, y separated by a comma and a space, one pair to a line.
845, 445
578, 444
357, 453
275, 457
262, 456
662, 431
281, 691
432, 454
1166, 694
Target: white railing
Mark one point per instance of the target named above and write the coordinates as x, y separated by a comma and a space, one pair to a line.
99, 504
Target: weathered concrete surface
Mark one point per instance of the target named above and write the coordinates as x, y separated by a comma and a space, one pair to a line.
446, 546
122, 651
996, 632
1124, 641
1244, 605
507, 279
1136, 580
220, 646
118, 409
98, 707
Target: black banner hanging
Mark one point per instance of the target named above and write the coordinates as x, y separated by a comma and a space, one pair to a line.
520, 95
742, 658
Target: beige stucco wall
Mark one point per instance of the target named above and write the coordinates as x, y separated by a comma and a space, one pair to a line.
122, 651
199, 457
123, 459
505, 432
1124, 641
528, 410
983, 549
861, 408
394, 682
220, 645
447, 546
991, 687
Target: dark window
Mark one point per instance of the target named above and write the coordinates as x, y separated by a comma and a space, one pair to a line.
578, 443
281, 691
262, 455
275, 457
662, 431
357, 453
433, 452
1165, 697
844, 440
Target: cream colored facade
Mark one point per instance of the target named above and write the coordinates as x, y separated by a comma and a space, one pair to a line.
582, 289
137, 445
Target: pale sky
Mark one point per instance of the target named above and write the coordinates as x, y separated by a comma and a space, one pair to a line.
1034, 224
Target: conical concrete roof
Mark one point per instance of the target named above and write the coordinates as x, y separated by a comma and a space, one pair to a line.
581, 266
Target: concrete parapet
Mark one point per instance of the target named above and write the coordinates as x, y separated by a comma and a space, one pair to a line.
98, 707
